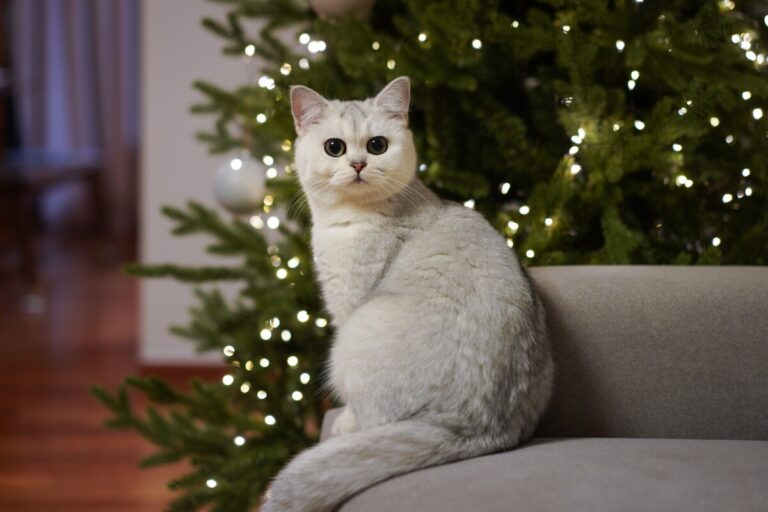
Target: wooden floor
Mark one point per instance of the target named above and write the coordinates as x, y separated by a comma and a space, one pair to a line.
55, 455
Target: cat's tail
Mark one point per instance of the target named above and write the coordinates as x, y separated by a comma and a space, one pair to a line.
323, 477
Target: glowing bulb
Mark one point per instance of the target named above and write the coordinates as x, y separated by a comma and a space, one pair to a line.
249, 365
620, 45
727, 198
757, 113
375, 45
321, 322
582, 133
746, 95
631, 85
264, 362
422, 167
682, 111
302, 316
285, 335
391, 64
635, 74
639, 125
245, 387
261, 394
477, 44
269, 419
273, 222
261, 118
516, 23
229, 351
304, 378
236, 164
524, 210
303, 63
250, 50
505, 188
677, 147
748, 191
265, 334
292, 360
729, 139
211, 483
239, 441
688, 183
714, 121
513, 225
227, 380
745, 172
548, 221
510, 243
297, 395
304, 38
268, 160
469, 203
715, 242
293, 262
566, 28
681, 180
573, 150
422, 37
285, 69
575, 169
281, 273
529, 253
616, 127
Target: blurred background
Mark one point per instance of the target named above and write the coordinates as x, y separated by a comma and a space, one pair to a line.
95, 133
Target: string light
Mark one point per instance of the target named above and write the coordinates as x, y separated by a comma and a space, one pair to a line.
211, 483
510, 243
504, 188
391, 64
715, 242
375, 45
297, 395
566, 28
524, 210
292, 360
516, 23
682, 111
573, 150
620, 45
239, 441
229, 351
304, 378
530, 253
469, 203
261, 118
265, 334
746, 95
639, 125
285, 69
293, 262
261, 394
677, 147
264, 362
635, 74
321, 322
304, 63
757, 113
548, 221
745, 172
304, 38
513, 225
727, 198
616, 127
281, 273
266, 82
575, 169
631, 85
249, 50
748, 191
714, 121
271, 173
302, 316
273, 222
249, 365
729, 139
235, 164
245, 387
422, 167
227, 380
422, 37
285, 335
316, 46
477, 44
269, 419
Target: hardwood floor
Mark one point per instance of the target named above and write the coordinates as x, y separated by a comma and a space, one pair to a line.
55, 455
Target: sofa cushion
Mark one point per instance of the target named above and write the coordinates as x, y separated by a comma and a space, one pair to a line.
589, 475
664, 352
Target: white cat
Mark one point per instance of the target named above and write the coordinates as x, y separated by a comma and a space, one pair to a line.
440, 351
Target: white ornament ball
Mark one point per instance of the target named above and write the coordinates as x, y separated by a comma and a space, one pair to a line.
239, 184
336, 9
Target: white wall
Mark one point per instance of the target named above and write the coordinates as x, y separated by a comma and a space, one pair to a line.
176, 50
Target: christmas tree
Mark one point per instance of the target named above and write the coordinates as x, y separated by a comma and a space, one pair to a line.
587, 132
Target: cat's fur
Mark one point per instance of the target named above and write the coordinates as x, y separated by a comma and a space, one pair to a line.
440, 352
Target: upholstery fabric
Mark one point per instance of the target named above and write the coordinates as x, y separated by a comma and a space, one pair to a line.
587, 475
647, 351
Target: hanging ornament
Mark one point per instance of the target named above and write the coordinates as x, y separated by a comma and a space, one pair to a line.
239, 184
337, 9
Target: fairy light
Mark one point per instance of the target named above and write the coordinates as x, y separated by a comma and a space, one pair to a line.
566, 29
757, 113
304, 378
620, 45
728, 5
266, 82
631, 85
516, 24
275, 260
575, 169
229, 351
715, 242
748, 191
269, 419
245, 387
616, 127
227, 380
513, 225
285, 69
391, 64
681, 180
727, 198
271, 173
316, 46
729, 139
235, 164
273, 222
639, 125
477, 44
292, 361
261, 118
677, 147
504, 188
635, 74
285, 335
469, 203
302, 316
751, 55
682, 111
304, 63
264, 362
304, 38
293, 262
297, 395
239, 441
745, 172
422, 37
530, 253
281, 273
573, 150
249, 50
510, 243
746, 95
265, 334
211, 483
249, 365
375, 45
422, 167
524, 210
548, 221
261, 394
714, 121
321, 322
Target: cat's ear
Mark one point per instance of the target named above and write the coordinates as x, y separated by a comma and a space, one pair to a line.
307, 106
395, 98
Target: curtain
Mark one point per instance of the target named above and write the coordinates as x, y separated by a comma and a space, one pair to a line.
75, 65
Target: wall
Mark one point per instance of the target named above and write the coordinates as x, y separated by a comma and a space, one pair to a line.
175, 167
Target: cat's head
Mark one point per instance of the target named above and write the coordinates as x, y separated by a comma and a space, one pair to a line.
353, 152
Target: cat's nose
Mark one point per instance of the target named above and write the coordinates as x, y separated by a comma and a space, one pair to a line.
358, 166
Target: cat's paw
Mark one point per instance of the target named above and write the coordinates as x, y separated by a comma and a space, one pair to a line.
344, 423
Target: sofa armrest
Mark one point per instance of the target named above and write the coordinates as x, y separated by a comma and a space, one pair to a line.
328, 419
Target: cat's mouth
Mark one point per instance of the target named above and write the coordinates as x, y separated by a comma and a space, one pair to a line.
357, 180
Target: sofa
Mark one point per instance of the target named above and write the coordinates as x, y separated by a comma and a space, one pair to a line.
660, 402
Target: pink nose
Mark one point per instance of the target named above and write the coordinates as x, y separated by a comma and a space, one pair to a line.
358, 166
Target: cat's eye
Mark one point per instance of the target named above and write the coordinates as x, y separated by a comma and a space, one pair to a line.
335, 147
376, 145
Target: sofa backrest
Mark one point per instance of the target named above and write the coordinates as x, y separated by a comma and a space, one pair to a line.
646, 351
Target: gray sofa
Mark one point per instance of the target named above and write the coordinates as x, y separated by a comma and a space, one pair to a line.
660, 402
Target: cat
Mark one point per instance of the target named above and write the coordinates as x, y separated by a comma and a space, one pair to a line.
440, 351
